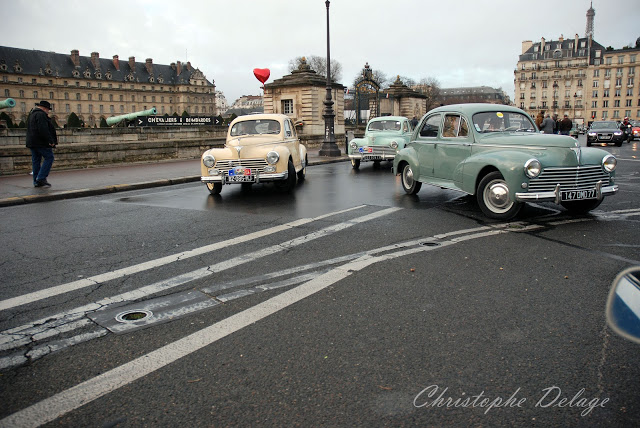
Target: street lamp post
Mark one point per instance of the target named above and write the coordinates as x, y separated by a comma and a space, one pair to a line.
329, 146
575, 99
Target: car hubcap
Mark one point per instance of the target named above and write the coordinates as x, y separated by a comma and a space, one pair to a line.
496, 196
407, 177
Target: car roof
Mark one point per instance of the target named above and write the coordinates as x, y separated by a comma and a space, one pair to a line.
260, 116
472, 108
380, 118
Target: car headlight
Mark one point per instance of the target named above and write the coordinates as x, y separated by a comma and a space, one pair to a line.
609, 163
273, 157
208, 161
353, 145
532, 168
394, 144
592, 134
617, 133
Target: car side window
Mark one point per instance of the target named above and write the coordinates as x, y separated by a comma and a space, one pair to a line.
287, 129
405, 126
430, 126
455, 126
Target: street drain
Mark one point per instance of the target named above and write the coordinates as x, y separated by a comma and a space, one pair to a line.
429, 244
132, 316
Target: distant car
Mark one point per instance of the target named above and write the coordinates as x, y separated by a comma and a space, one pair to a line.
259, 148
605, 132
496, 153
574, 131
635, 128
383, 137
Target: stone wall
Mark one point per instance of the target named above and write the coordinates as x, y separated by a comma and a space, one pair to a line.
89, 147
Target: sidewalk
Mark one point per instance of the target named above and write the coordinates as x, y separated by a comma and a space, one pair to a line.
18, 189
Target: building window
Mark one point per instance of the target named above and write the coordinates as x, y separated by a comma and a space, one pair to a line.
66, 83
608, 60
287, 106
605, 93
112, 109
110, 97
629, 103
607, 72
88, 84
90, 108
632, 59
627, 113
66, 95
616, 114
121, 98
50, 95
621, 59
605, 104
79, 108
35, 94
21, 92
594, 104
595, 94
67, 108
133, 98
122, 109
616, 103
630, 92
617, 93
89, 97
101, 108
6, 93
595, 83
99, 97
77, 96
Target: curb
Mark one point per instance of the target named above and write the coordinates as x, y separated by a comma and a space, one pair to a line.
114, 188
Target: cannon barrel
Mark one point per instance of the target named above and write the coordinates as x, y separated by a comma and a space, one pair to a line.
130, 116
8, 103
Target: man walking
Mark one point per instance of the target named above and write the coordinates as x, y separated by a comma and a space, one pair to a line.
547, 125
41, 139
565, 125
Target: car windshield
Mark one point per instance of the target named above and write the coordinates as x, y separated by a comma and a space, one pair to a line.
385, 125
603, 125
255, 127
497, 121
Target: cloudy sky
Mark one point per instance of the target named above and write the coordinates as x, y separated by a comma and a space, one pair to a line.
460, 43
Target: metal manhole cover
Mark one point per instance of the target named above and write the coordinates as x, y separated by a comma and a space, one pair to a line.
133, 315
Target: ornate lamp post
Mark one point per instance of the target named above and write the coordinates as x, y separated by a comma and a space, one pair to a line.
329, 146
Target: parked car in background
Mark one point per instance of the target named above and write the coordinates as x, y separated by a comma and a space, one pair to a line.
383, 137
605, 132
496, 153
259, 148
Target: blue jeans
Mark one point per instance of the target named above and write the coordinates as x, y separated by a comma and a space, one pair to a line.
41, 168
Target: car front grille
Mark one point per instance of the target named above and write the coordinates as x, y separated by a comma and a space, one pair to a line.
226, 165
605, 135
571, 178
382, 151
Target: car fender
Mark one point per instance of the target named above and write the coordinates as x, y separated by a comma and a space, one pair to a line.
303, 156
509, 163
407, 154
360, 142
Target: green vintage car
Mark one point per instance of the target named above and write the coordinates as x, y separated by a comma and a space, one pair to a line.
496, 153
383, 137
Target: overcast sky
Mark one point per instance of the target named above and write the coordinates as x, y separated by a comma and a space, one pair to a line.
460, 43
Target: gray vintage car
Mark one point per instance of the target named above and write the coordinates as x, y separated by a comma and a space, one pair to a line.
496, 153
383, 137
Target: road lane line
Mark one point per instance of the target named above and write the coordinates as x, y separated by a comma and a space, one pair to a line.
68, 400
9, 335
119, 273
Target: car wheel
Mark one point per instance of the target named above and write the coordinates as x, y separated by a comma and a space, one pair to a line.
303, 172
588, 143
376, 164
214, 188
493, 198
581, 207
355, 163
409, 183
288, 183
619, 143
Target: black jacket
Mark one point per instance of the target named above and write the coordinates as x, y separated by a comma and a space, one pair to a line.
40, 130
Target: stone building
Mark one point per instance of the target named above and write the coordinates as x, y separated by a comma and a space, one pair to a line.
578, 77
400, 100
300, 95
477, 94
95, 88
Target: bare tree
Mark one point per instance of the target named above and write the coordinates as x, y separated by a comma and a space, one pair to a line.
377, 76
319, 65
430, 87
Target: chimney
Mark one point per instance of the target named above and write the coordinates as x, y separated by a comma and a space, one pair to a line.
178, 68
75, 57
189, 66
575, 46
116, 62
542, 45
132, 63
526, 45
95, 60
149, 65
561, 39
173, 65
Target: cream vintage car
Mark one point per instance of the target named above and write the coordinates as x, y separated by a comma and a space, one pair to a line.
259, 148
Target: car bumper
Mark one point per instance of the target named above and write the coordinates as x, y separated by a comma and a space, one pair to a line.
601, 191
364, 157
600, 140
260, 178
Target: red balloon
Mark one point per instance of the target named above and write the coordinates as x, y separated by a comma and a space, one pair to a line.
262, 74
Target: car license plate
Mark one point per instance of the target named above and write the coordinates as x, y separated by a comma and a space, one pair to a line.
372, 157
241, 179
605, 137
576, 195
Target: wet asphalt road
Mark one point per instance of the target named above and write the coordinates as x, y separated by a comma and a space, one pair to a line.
343, 303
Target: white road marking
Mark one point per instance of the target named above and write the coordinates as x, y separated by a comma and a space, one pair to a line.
17, 333
66, 401
108, 276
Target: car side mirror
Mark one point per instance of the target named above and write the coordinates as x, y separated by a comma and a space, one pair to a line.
623, 305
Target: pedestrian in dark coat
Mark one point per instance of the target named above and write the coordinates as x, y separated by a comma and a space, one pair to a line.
565, 125
41, 139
